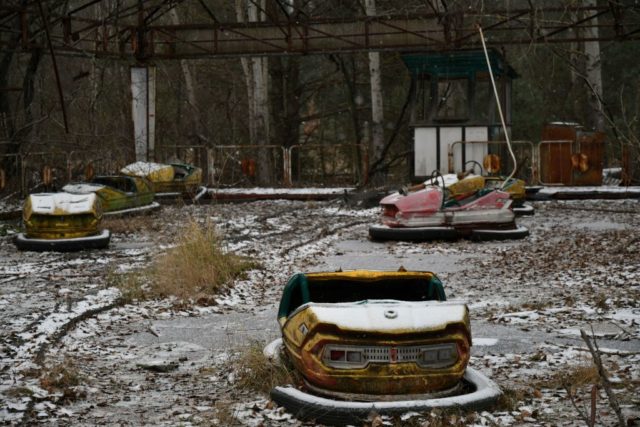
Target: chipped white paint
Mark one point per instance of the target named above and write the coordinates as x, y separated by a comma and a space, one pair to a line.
48, 203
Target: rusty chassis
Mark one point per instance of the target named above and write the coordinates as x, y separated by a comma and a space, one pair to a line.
475, 393
143, 40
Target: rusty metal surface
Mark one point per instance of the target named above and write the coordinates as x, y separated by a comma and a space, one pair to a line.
229, 165
298, 165
590, 149
375, 378
116, 193
238, 165
61, 223
392, 359
131, 33
570, 155
528, 162
555, 158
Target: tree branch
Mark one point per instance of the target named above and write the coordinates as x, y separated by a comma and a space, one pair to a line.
378, 165
595, 353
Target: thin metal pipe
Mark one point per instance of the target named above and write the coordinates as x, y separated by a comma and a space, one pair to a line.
495, 93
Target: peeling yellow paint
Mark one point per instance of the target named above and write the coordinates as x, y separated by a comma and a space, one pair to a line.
376, 378
60, 224
369, 275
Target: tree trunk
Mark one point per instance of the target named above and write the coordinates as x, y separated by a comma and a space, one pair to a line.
126, 151
6, 113
28, 93
593, 68
285, 93
11, 131
377, 111
196, 124
352, 92
256, 71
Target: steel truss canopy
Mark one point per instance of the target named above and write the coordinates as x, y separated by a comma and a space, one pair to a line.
139, 31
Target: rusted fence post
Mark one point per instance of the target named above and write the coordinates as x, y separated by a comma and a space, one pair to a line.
286, 159
211, 169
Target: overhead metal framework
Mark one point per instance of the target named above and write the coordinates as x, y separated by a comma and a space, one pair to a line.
138, 31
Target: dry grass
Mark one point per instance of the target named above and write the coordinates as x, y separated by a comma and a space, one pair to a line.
62, 378
510, 399
601, 301
131, 285
256, 372
19, 392
196, 267
573, 378
192, 271
538, 356
538, 305
225, 415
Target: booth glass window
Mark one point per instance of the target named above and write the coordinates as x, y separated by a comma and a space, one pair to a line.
423, 101
452, 103
484, 103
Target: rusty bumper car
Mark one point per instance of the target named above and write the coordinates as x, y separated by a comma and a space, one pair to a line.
436, 213
366, 341
515, 187
62, 222
169, 180
118, 194
461, 184
464, 182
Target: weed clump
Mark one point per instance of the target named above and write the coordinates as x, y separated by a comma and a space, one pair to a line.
196, 266
192, 271
132, 285
64, 379
573, 378
19, 392
510, 399
256, 372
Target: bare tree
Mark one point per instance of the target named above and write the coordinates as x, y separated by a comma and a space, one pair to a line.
377, 110
14, 132
593, 71
256, 71
196, 116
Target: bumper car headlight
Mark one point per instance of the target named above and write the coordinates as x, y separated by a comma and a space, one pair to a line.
438, 356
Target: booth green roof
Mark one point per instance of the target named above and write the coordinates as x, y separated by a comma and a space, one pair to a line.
457, 64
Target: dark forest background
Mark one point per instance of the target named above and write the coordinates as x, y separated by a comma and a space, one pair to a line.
315, 99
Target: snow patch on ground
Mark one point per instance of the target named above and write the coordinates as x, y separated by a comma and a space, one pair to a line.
557, 281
